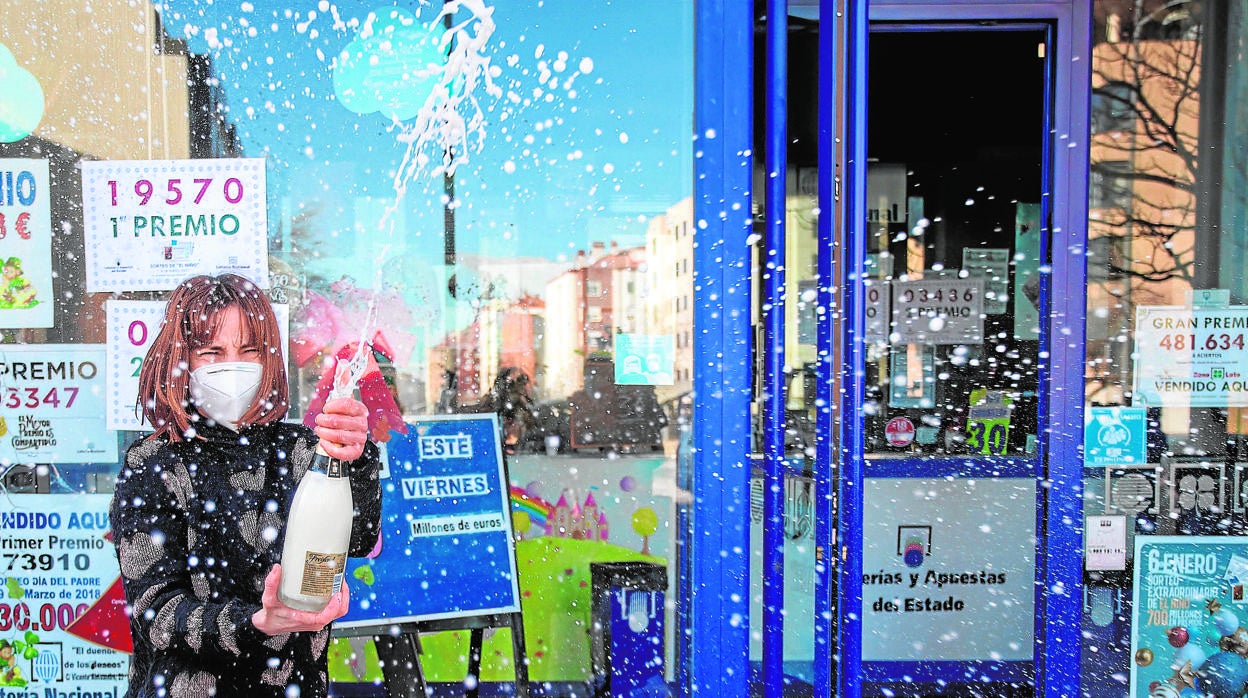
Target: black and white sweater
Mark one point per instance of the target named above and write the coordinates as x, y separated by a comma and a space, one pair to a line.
198, 525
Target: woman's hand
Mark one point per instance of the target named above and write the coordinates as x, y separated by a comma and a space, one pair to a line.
275, 617
342, 427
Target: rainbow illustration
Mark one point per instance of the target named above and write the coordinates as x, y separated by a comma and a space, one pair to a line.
536, 507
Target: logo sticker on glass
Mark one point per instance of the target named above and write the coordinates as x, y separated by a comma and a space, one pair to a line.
644, 359
1114, 436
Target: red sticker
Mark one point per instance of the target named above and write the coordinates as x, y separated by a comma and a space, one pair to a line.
899, 431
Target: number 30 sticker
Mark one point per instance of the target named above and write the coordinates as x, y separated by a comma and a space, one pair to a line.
988, 422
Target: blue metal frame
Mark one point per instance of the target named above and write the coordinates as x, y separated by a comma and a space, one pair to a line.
719, 542
1062, 607
946, 672
1060, 513
835, 71
952, 467
852, 378
776, 161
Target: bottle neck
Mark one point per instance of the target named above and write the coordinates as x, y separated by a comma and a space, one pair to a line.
329, 467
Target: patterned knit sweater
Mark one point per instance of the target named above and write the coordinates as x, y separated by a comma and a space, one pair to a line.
198, 525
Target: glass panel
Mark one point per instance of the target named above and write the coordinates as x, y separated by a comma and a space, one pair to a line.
499, 199
800, 322
950, 491
1164, 439
954, 246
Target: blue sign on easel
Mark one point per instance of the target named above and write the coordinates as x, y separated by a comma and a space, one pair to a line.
447, 547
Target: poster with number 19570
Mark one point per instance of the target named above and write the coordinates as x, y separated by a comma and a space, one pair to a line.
149, 224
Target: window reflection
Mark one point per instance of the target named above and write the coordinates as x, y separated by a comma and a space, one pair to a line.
511, 229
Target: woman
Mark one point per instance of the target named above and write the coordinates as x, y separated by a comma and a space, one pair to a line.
199, 512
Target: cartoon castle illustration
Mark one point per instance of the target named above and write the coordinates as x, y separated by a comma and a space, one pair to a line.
579, 521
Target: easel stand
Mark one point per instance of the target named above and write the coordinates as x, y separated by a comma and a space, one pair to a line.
400, 653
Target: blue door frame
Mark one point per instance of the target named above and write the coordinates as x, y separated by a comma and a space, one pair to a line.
717, 585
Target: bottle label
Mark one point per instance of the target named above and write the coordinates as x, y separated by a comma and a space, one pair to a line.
331, 467
322, 573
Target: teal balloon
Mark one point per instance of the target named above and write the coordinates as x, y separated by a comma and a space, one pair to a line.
21, 99
1226, 621
1210, 634
1224, 675
392, 66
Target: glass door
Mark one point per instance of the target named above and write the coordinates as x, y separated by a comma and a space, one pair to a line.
954, 402
955, 166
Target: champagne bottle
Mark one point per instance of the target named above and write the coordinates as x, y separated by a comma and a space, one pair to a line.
318, 527
318, 533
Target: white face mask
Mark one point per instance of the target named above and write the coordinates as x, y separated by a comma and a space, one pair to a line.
224, 391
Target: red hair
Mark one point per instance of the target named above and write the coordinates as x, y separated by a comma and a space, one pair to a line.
192, 317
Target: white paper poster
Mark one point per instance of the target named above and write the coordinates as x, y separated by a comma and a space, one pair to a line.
149, 224
52, 405
25, 244
948, 553
61, 608
1191, 356
1027, 271
132, 327
992, 264
879, 315
1105, 543
938, 311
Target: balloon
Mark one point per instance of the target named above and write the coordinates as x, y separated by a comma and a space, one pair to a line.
1210, 635
628, 483
645, 521
1224, 675
1178, 636
1144, 656
1189, 653
534, 489
521, 522
1225, 621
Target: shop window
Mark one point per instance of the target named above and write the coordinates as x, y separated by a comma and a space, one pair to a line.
458, 260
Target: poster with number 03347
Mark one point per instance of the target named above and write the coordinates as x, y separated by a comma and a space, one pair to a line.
52, 405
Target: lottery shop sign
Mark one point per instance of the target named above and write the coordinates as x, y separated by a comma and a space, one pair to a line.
149, 224
1188, 356
52, 405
